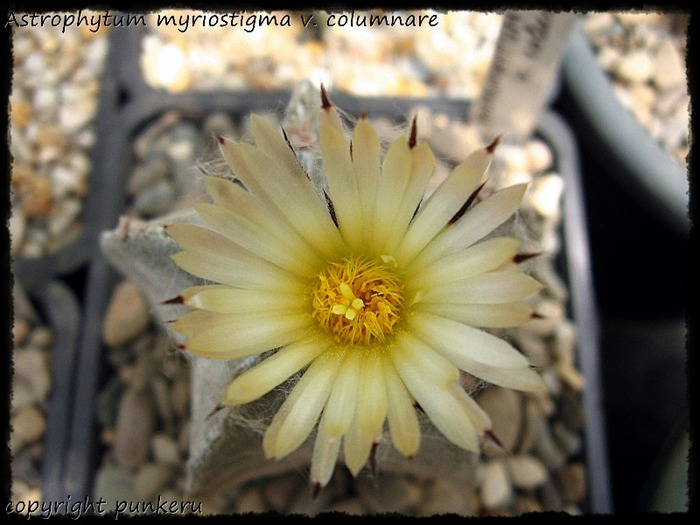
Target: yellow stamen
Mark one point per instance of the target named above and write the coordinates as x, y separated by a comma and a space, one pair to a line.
357, 300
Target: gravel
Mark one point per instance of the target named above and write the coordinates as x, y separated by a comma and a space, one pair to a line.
31, 390
53, 109
644, 55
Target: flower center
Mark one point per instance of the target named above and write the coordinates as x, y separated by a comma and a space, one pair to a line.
357, 300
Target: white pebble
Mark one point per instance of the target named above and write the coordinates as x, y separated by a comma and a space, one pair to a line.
45, 99
63, 181
34, 64
565, 337
539, 156
127, 314
85, 138
526, 472
597, 22
31, 364
165, 449
546, 194
94, 55
635, 67
74, 116
514, 157
28, 425
63, 215
168, 68
135, 423
80, 163
608, 57
17, 227
504, 407
496, 490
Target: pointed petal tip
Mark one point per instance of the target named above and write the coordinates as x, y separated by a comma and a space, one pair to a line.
490, 435
325, 103
174, 300
215, 410
414, 134
373, 460
522, 257
492, 147
316, 490
535, 383
219, 138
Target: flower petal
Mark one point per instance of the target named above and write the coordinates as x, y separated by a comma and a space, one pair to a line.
395, 174
273, 371
312, 220
366, 160
211, 256
340, 408
401, 414
257, 240
298, 414
422, 168
433, 366
439, 402
342, 183
481, 420
456, 341
480, 258
235, 198
443, 204
357, 447
325, 456
199, 321
502, 315
278, 186
488, 288
229, 300
370, 413
473, 225
268, 138
248, 334
371, 396
519, 378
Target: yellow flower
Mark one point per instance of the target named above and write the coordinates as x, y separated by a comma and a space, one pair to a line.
375, 293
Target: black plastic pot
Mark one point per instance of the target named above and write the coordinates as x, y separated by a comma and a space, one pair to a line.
128, 105
59, 309
638, 222
636, 159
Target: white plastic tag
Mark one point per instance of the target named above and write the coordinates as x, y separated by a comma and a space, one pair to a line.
522, 73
